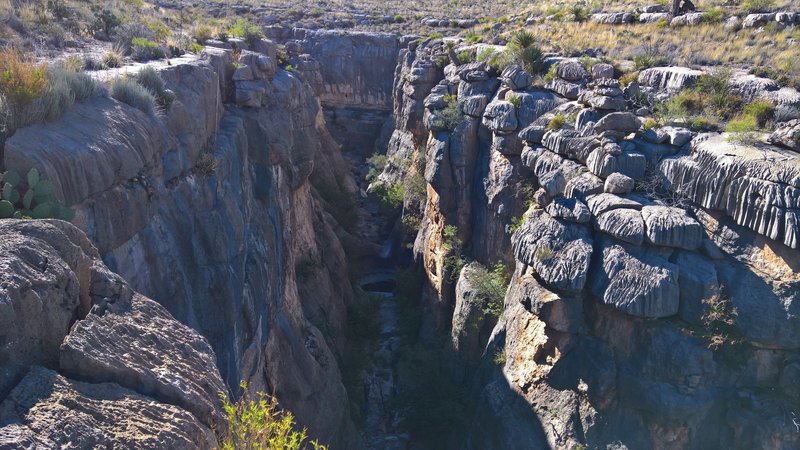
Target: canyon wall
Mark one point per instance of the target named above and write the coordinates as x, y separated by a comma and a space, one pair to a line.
655, 287
212, 211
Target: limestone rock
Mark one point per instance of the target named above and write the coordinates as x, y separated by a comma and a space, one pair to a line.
565, 88
750, 86
757, 20
653, 17
570, 143
475, 105
668, 79
553, 182
623, 122
515, 78
688, 19
47, 410
533, 104
617, 183
142, 347
571, 70
597, 100
569, 209
787, 134
600, 203
500, 116
623, 224
612, 18
672, 227
583, 186
636, 282
560, 312
470, 319
602, 70
533, 134
559, 251
698, 281
758, 187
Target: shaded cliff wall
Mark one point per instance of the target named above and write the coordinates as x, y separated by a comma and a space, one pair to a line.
605, 334
217, 245
352, 76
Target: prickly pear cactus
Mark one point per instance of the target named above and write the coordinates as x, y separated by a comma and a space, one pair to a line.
37, 202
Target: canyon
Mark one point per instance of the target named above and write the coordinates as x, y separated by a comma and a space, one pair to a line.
232, 238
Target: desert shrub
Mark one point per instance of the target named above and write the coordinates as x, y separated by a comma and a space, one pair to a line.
761, 110
557, 122
579, 13
390, 196
515, 100
34, 94
127, 32
628, 78
719, 319
435, 35
494, 58
375, 163
257, 422
150, 79
21, 80
756, 6
202, 33
551, 74
473, 38
490, 285
246, 30
466, 56
713, 15
79, 83
678, 108
143, 49
648, 57
112, 58
742, 129
104, 20
650, 123
450, 116
134, 94
523, 49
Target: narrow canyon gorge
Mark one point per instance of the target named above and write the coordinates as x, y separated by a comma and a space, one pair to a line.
238, 239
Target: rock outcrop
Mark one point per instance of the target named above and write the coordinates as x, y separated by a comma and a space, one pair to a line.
88, 362
210, 210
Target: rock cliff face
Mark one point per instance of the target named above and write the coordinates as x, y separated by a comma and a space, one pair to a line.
351, 74
212, 211
655, 288
87, 361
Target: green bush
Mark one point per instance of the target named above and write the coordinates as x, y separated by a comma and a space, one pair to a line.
143, 49
551, 74
150, 79
489, 285
757, 6
558, 121
649, 57
494, 58
134, 94
713, 15
259, 423
246, 30
515, 100
742, 129
390, 197
450, 116
761, 110
579, 13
